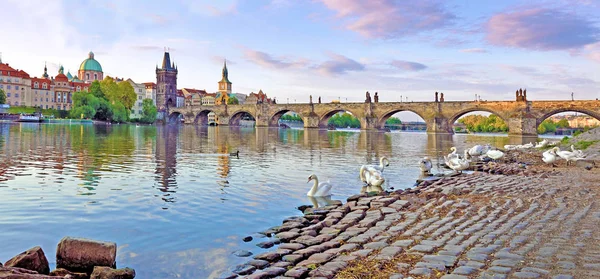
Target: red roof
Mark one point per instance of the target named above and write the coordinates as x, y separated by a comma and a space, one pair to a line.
61, 77
7, 70
211, 94
179, 92
150, 85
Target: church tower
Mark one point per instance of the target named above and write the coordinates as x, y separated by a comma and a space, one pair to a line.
166, 84
225, 84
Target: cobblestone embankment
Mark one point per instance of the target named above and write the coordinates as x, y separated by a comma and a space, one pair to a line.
532, 224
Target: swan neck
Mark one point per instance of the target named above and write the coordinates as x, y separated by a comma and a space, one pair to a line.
313, 190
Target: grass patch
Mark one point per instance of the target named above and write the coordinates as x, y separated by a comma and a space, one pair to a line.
584, 144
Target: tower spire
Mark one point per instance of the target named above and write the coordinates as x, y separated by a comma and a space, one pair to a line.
45, 70
0, 57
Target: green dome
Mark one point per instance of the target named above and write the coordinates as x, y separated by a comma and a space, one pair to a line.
90, 64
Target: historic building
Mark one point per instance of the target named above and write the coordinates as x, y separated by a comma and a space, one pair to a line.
16, 85
151, 91
166, 84
193, 96
90, 70
209, 99
225, 84
258, 98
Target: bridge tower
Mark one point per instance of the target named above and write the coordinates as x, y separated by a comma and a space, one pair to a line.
166, 84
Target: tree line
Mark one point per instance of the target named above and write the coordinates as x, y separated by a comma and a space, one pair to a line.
495, 124
108, 100
340, 120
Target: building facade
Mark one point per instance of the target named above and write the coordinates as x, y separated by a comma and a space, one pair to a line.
151, 91
225, 84
209, 99
140, 92
16, 85
166, 84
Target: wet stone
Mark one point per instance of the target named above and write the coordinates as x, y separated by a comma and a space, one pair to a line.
242, 253
403, 243
433, 266
268, 256
260, 264
389, 253
266, 244
562, 276
536, 270
291, 246
454, 276
422, 248
508, 263
491, 275
375, 245
297, 272
244, 269
565, 265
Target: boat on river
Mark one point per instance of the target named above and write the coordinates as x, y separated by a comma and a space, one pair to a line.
30, 118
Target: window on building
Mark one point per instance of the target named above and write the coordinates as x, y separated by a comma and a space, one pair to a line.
95, 76
45, 86
16, 103
36, 99
78, 88
139, 97
7, 94
46, 99
46, 106
8, 86
87, 76
16, 87
16, 95
36, 84
1, 85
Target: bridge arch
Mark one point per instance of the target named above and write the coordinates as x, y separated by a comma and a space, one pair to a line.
544, 116
204, 118
324, 118
386, 115
274, 119
460, 114
236, 117
175, 117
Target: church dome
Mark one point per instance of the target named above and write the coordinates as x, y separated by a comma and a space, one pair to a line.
90, 64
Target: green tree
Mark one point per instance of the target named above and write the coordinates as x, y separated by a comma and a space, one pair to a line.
547, 126
563, 123
233, 101
486, 124
96, 90
120, 113
344, 120
2, 97
104, 110
148, 111
393, 120
126, 94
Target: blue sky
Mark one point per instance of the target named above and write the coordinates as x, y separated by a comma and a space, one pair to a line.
328, 48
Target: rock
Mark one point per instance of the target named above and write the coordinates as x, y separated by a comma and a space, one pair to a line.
21, 273
32, 259
247, 239
242, 253
63, 272
266, 244
82, 255
104, 272
244, 269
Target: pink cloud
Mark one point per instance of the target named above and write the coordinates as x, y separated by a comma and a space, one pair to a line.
388, 18
541, 29
408, 66
339, 64
268, 61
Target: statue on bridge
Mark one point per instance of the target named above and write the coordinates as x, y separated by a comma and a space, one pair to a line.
441, 97
368, 97
521, 95
310, 99
376, 97
319, 99
436, 97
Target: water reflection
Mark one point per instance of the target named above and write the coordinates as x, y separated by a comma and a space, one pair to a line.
167, 193
371, 189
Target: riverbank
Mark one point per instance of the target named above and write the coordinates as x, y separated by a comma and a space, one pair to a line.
518, 219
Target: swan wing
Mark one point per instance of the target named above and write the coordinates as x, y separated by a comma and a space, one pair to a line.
324, 189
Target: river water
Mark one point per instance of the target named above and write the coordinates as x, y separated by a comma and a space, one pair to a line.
172, 198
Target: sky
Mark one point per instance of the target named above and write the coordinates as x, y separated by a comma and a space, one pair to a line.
329, 48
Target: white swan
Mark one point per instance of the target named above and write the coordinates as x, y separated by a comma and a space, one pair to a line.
453, 153
458, 164
570, 155
495, 154
549, 156
479, 150
371, 177
509, 147
425, 165
578, 152
542, 144
319, 189
383, 162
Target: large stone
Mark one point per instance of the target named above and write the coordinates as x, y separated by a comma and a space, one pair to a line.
32, 259
73, 275
21, 273
104, 272
82, 255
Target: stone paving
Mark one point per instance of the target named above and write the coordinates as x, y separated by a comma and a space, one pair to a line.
481, 225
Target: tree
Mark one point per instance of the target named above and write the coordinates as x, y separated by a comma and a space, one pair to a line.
233, 101
563, 123
120, 113
393, 120
126, 94
104, 111
96, 90
148, 111
2, 97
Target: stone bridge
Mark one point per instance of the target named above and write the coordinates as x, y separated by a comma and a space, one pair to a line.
522, 117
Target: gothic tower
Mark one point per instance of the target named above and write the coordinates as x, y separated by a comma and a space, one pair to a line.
225, 84
166, 84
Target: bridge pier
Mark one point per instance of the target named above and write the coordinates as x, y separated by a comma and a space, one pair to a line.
311, 121
223, 120
369, 123
439, 125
